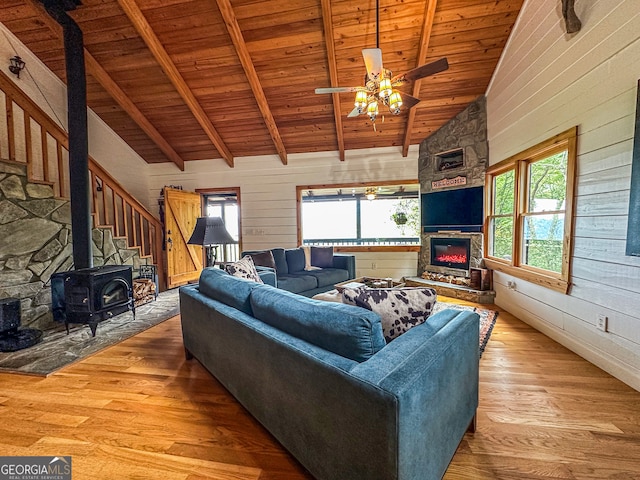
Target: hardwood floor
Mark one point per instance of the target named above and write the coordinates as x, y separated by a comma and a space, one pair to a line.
138, 410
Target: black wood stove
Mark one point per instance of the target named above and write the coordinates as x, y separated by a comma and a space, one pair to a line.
90, 295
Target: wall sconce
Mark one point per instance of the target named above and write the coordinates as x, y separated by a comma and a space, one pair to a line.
16, 66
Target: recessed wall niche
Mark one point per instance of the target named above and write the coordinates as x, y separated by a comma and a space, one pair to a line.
449, 160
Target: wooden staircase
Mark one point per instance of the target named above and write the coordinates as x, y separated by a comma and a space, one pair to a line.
32, 138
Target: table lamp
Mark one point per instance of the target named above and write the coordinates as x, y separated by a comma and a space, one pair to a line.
210, 232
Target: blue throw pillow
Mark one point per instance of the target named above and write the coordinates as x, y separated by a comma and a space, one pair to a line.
295, 259
281, 261
322, 257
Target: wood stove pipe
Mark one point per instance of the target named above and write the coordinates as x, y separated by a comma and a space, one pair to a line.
78, 135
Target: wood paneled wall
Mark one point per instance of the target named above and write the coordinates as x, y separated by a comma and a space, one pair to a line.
268, 193
546, 82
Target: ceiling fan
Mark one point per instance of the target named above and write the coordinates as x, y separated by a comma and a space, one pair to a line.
379, 82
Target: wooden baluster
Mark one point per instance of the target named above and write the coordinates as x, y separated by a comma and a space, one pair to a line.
134, 228
104, 203
94, 192
45, 153
116, 218
63, 192
125, 221
10, 130
28, 146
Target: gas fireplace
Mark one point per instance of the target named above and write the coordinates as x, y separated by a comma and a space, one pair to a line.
450, 252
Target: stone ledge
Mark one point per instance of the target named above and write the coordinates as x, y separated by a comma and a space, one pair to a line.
454, 291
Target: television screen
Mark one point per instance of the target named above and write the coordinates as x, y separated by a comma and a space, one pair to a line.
460, 209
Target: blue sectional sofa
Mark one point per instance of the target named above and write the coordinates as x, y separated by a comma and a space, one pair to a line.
320, 377
291, 275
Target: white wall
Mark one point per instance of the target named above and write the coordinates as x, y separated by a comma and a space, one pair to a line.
50, 93
268, 194
548, 81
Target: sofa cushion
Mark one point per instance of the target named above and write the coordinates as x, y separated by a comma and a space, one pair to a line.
295, 259
244, 268
297, 283
263, 259
281, 261
346, 330
226, 288
329, 276
322, 257
400, 308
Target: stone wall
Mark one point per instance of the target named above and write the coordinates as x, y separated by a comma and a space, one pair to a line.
466, 131
35, 243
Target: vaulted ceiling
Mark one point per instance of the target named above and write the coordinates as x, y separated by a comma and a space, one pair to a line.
183, 80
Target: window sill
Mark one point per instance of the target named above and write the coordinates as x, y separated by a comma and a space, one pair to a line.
557, 284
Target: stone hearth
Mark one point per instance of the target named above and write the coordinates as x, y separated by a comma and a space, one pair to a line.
460, 292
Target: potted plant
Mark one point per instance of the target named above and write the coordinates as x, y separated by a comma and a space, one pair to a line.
399, 217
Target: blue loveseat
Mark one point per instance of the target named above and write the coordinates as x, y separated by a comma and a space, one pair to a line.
289, 266
320, 377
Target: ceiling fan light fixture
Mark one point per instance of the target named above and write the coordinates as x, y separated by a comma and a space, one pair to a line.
361, 100
370, 193
395, 102
372, 110
385, 88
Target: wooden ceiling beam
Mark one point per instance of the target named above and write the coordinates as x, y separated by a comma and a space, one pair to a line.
145, 31
427, 25
327, 20
240, 45
102, 77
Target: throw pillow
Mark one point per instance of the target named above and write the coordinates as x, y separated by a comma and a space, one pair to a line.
295, 259
244, 268
322, 257
399, 308
263, 259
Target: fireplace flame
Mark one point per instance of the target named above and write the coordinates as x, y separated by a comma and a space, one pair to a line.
451, 258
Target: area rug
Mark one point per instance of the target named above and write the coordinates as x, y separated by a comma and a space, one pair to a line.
57, 349
487, 319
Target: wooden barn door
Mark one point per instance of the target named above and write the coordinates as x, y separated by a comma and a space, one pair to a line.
184, 262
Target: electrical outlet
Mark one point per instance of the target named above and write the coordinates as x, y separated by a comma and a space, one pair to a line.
373, 265
602, 322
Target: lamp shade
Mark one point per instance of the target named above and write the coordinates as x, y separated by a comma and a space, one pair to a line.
210, 231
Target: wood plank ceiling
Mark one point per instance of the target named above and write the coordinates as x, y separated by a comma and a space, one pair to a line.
183, 80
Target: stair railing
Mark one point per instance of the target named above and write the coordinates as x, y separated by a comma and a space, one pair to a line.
31, 137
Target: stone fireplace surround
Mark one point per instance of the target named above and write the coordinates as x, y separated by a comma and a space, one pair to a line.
467, 131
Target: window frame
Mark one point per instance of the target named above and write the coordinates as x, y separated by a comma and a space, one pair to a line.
520, 163
354, 248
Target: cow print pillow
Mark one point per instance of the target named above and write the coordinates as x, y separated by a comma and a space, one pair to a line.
399, 308
244, 268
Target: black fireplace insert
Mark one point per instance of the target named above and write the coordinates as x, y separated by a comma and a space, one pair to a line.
90, 295
451, 252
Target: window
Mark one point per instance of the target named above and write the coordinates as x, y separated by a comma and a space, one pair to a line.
530, 198
362, 215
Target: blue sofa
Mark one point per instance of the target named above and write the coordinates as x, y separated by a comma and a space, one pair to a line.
320, 377
289, 266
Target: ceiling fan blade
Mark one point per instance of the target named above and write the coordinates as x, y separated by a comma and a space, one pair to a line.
373, 61
421, 71
354, 113
338, 89
408, 101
